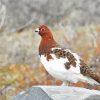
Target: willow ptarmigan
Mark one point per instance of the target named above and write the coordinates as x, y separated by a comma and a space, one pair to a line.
62, 63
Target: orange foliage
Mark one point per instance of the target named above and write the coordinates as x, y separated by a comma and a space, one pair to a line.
98, 47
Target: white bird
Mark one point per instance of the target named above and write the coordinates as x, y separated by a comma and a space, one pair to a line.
61, 63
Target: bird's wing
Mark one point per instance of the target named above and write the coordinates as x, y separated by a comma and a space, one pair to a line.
73, 58
75, 61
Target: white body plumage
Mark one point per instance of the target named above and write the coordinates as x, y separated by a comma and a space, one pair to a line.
56, 68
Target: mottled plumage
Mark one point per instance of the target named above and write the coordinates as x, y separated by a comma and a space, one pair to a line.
62, 63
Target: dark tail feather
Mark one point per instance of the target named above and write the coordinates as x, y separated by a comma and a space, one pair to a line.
94, 75
87, 71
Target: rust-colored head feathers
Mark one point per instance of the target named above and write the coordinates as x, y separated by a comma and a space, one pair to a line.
47, 41
44, 32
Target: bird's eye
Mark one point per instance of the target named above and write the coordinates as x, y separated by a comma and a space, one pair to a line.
42, 29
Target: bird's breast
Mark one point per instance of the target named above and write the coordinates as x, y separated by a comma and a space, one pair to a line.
56, 67
53, 64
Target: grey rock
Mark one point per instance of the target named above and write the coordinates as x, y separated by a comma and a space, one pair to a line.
35, 93
93, 97
58, 93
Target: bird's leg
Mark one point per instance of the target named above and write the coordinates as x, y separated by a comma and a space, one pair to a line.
65, 83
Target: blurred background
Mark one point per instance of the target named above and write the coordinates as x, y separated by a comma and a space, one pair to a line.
75, 24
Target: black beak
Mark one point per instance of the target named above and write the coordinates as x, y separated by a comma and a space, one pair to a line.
36, 30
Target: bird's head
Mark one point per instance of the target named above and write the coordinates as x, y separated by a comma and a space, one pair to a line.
47, 41
44, 31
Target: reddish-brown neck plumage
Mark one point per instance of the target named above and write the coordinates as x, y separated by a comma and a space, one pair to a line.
47, 40
46, 44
